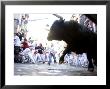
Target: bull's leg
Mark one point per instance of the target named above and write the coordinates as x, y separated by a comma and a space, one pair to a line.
62, 57
95, 61
90, 65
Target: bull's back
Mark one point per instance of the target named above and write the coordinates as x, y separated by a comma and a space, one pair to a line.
82, 39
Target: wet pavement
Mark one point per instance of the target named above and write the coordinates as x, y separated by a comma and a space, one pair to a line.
40, 69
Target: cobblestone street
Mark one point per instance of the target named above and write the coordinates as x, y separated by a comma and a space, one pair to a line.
40, 69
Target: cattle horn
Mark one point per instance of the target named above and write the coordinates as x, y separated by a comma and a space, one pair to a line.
61, 18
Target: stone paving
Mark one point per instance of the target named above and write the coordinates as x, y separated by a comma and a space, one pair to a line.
40, 69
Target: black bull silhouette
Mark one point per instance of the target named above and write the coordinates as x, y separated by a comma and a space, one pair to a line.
79, 39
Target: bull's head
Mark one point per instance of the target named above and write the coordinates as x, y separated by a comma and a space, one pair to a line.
56, 30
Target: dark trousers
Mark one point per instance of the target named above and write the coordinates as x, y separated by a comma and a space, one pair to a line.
16, 53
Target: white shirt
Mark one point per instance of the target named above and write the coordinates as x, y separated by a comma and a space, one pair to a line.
51, 50
17, 41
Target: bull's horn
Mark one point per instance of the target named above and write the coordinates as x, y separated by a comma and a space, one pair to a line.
61, 18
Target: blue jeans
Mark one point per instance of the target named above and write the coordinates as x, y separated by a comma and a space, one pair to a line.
50, 58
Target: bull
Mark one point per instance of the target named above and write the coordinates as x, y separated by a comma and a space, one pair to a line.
79, 39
